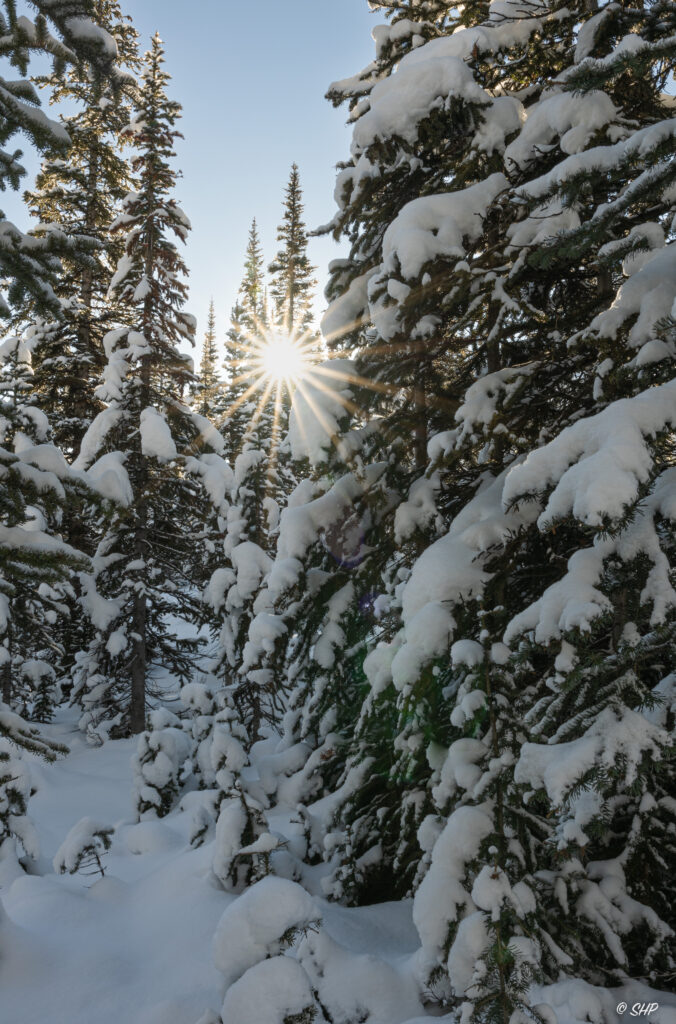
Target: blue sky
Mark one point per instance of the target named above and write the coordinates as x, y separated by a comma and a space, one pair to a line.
251, 78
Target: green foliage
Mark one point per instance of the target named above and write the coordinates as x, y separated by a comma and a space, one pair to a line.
79, 196
30, 263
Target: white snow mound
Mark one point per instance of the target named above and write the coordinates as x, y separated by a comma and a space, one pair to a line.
260, 923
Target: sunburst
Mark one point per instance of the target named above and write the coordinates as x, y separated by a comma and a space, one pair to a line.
273, 363
282, 358
273, 357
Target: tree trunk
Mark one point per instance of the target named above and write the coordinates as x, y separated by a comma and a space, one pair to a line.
139, 663
80, 389
7, 687
420, 430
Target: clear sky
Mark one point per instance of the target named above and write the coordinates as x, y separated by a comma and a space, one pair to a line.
252, 77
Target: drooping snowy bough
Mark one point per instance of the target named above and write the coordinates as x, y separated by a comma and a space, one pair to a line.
510, 297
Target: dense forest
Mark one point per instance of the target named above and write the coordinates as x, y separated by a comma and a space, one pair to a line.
338, 663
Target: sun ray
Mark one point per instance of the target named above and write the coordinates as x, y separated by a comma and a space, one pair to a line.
356, 378
274, 446
301, 423
258, 412
319, 416
346, 403
437, 402
232, 409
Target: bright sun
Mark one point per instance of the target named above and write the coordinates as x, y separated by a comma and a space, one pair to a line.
273, 363
282, 358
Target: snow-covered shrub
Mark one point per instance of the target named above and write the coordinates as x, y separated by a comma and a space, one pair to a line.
242, 845
45, 691
263, 922
357, 987
228, 750
202, 703
275, 991
202, 822
15, 790
220, 742
158, 763
15, 778
83, 848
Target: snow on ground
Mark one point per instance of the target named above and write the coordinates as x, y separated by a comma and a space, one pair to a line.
136, 947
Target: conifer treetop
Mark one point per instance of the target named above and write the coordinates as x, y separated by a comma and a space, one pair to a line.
293, 274
252, 287
94, 136
248, 322
208, 388
152, 268
208, 371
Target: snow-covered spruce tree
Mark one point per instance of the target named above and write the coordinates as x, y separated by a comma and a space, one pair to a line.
159, 764
292, 274
292, 293
412, 398
248, 543
32, 559
605, 628
250, 312
39, 491
35, 568
499, 282
78, 195
242, 844
42, 651
142, 563
177, 751
207, 397
64, 31
315, 617
255, 403
23, 425
375, 841
232, 591
250, 517
15, 787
